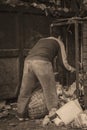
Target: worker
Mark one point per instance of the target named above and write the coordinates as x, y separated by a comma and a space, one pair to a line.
38, 67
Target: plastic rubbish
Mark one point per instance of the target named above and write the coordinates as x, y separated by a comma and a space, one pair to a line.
69, 111
81, 121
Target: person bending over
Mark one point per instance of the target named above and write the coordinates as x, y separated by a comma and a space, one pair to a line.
38, 67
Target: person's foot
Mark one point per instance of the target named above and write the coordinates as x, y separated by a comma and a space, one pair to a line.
21, 117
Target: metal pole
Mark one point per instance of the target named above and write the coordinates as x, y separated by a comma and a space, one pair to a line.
51, 27
77, 55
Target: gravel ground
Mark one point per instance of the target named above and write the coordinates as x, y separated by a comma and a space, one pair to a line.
11, 123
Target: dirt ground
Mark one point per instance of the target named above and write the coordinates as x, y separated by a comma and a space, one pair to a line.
11, 123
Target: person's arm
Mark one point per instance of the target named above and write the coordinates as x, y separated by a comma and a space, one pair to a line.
64, 57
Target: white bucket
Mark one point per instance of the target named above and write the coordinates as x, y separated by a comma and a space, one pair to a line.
69, 111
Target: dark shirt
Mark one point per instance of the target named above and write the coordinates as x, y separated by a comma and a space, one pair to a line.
45, 49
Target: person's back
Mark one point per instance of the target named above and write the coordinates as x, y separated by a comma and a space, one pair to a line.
45, 49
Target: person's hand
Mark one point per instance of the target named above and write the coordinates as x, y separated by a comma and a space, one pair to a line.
72, 69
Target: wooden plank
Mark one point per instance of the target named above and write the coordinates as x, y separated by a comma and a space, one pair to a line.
9, 53
9, 61
9, 77
21, 9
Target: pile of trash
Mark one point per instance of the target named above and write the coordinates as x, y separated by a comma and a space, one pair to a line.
37, 105
70, 111
67, 94
70, 114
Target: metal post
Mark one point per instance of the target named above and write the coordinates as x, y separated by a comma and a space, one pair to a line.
77, 55
51, 27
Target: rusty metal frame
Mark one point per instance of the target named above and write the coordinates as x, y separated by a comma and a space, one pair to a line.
75, 21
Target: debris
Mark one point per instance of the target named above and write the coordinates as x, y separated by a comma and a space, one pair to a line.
43, 7
58, 121
2, 105
13, 124
80, 121
37, 106
4, 113
64, 115
39, 6
69, 111
46, 120
70, 90
7, 107
14, 106
59, 89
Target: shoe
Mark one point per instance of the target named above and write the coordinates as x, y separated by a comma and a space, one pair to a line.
21, 117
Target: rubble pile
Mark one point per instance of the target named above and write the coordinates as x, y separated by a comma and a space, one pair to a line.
70, 111
70, 106
70, 115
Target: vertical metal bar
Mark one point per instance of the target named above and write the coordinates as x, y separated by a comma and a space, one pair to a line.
84, 35
81, 45
21, 44
51, 27
77, 55
67, 51
18, 42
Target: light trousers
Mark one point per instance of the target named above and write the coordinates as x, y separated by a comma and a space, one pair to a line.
43, 71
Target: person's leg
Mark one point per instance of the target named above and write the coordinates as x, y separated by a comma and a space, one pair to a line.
27, 86
44, 72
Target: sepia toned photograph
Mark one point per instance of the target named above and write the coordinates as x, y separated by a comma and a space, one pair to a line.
43, 64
